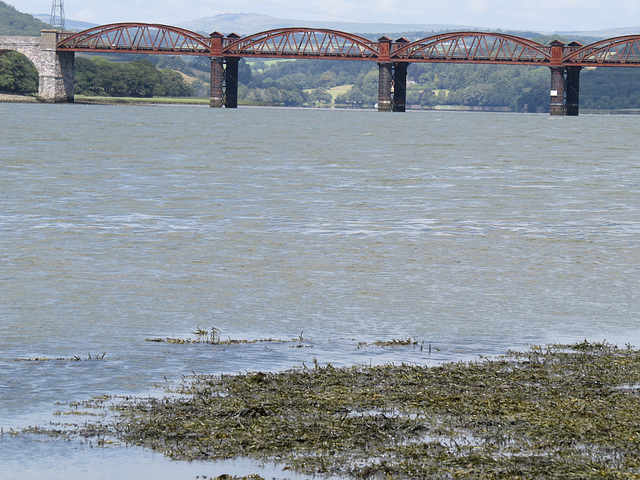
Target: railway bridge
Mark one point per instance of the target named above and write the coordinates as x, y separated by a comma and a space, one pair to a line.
53, 55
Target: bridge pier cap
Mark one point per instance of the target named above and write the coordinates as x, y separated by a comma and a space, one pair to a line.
565, 80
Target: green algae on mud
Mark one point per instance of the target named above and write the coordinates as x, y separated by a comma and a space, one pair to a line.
562, 411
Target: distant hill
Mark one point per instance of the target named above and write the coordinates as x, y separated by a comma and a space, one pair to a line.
610, 33
248, 23
71, 25
13, 22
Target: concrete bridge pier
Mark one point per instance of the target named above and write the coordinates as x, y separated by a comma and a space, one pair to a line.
565, 91
399, 87
573, 90
385, 77
392, 87
216, 94
224, 75
557, 102
231, 82
55, 69
224, 82
565, 81
392, 77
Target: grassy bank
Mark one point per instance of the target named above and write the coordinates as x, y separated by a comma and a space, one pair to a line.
558, 412
155, 101
138, 101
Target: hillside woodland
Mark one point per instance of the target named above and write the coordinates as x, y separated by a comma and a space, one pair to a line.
322, 82
13, 22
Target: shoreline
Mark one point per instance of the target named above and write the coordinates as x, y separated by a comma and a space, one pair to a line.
190, 101
12, 98
523, 414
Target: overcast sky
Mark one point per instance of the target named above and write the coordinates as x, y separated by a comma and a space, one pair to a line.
538, 15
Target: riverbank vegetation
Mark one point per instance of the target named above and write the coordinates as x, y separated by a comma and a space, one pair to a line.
140, 78
556, 412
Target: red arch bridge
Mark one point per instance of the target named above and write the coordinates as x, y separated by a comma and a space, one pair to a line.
392, 56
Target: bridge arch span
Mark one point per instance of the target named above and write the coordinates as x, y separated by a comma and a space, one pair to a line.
473, 47
27, 46
617, 51
138, 38
55, 70
296, 42
25, 50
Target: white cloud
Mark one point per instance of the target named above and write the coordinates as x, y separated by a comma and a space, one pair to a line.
477, 6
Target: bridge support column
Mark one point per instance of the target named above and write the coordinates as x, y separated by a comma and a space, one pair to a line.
55, 69
399, 87
231, 82
557, 103
565, 91
573, 90
385, 77
217, 81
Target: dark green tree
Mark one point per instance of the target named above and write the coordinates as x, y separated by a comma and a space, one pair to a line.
534, 99
17, 74
320, 95
139, 78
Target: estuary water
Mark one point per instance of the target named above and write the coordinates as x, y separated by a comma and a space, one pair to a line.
473, 233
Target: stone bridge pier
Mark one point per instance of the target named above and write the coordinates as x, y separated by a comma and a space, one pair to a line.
55, 69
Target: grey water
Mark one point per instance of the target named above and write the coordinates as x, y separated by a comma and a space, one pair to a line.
473, 233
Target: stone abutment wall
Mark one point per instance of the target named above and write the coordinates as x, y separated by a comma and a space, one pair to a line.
55, 69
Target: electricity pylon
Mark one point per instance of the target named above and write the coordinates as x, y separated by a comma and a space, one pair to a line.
57, 14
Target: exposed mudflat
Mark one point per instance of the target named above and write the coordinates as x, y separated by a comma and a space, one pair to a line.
7, 97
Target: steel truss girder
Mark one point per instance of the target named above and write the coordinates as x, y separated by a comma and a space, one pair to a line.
473, 47
138, 38
618, 51
303, 42
453, 47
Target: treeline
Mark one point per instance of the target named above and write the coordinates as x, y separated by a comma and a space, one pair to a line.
140, 78
310, 83
98, 77
296, 83
610, 88
514, 88
17, 74
429, 85
13, 22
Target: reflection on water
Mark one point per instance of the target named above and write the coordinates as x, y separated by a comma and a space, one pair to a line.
474, 233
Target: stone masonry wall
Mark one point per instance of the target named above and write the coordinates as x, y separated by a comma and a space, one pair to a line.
55, 69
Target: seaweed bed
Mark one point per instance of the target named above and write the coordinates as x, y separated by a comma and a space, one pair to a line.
561, 411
